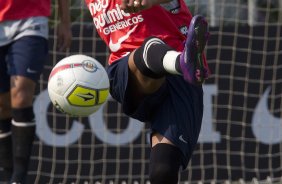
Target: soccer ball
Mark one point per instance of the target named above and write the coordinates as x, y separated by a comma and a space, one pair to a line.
78, 85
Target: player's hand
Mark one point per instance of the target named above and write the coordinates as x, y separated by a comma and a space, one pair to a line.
134, 6
64, 35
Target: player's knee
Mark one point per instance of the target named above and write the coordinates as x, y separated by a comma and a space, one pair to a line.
165, 163
23, 92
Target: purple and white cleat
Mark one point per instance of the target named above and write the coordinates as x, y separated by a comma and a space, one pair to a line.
192, 60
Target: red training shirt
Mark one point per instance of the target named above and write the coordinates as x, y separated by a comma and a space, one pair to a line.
124, 32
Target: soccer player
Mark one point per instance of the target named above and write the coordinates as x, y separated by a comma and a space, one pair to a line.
156, 68
23, 52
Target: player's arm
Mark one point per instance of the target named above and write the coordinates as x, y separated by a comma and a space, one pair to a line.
138, 5
64, 27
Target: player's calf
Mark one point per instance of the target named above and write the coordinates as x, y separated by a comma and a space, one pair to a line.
23, 130
5, 150
165, 163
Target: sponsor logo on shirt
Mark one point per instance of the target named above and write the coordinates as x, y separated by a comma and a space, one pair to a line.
116, 46
110, 20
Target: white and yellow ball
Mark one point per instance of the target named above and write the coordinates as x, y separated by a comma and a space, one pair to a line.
78, 85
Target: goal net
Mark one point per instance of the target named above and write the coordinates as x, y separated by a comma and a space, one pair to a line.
241, 136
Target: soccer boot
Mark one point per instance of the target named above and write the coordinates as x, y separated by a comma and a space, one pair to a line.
192, 61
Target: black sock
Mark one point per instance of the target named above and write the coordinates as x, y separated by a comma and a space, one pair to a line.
22, 145
165, 162
149, 57
23, 133
6, 159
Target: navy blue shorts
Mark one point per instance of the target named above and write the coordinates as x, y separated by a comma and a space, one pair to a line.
175, 110
25, 57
